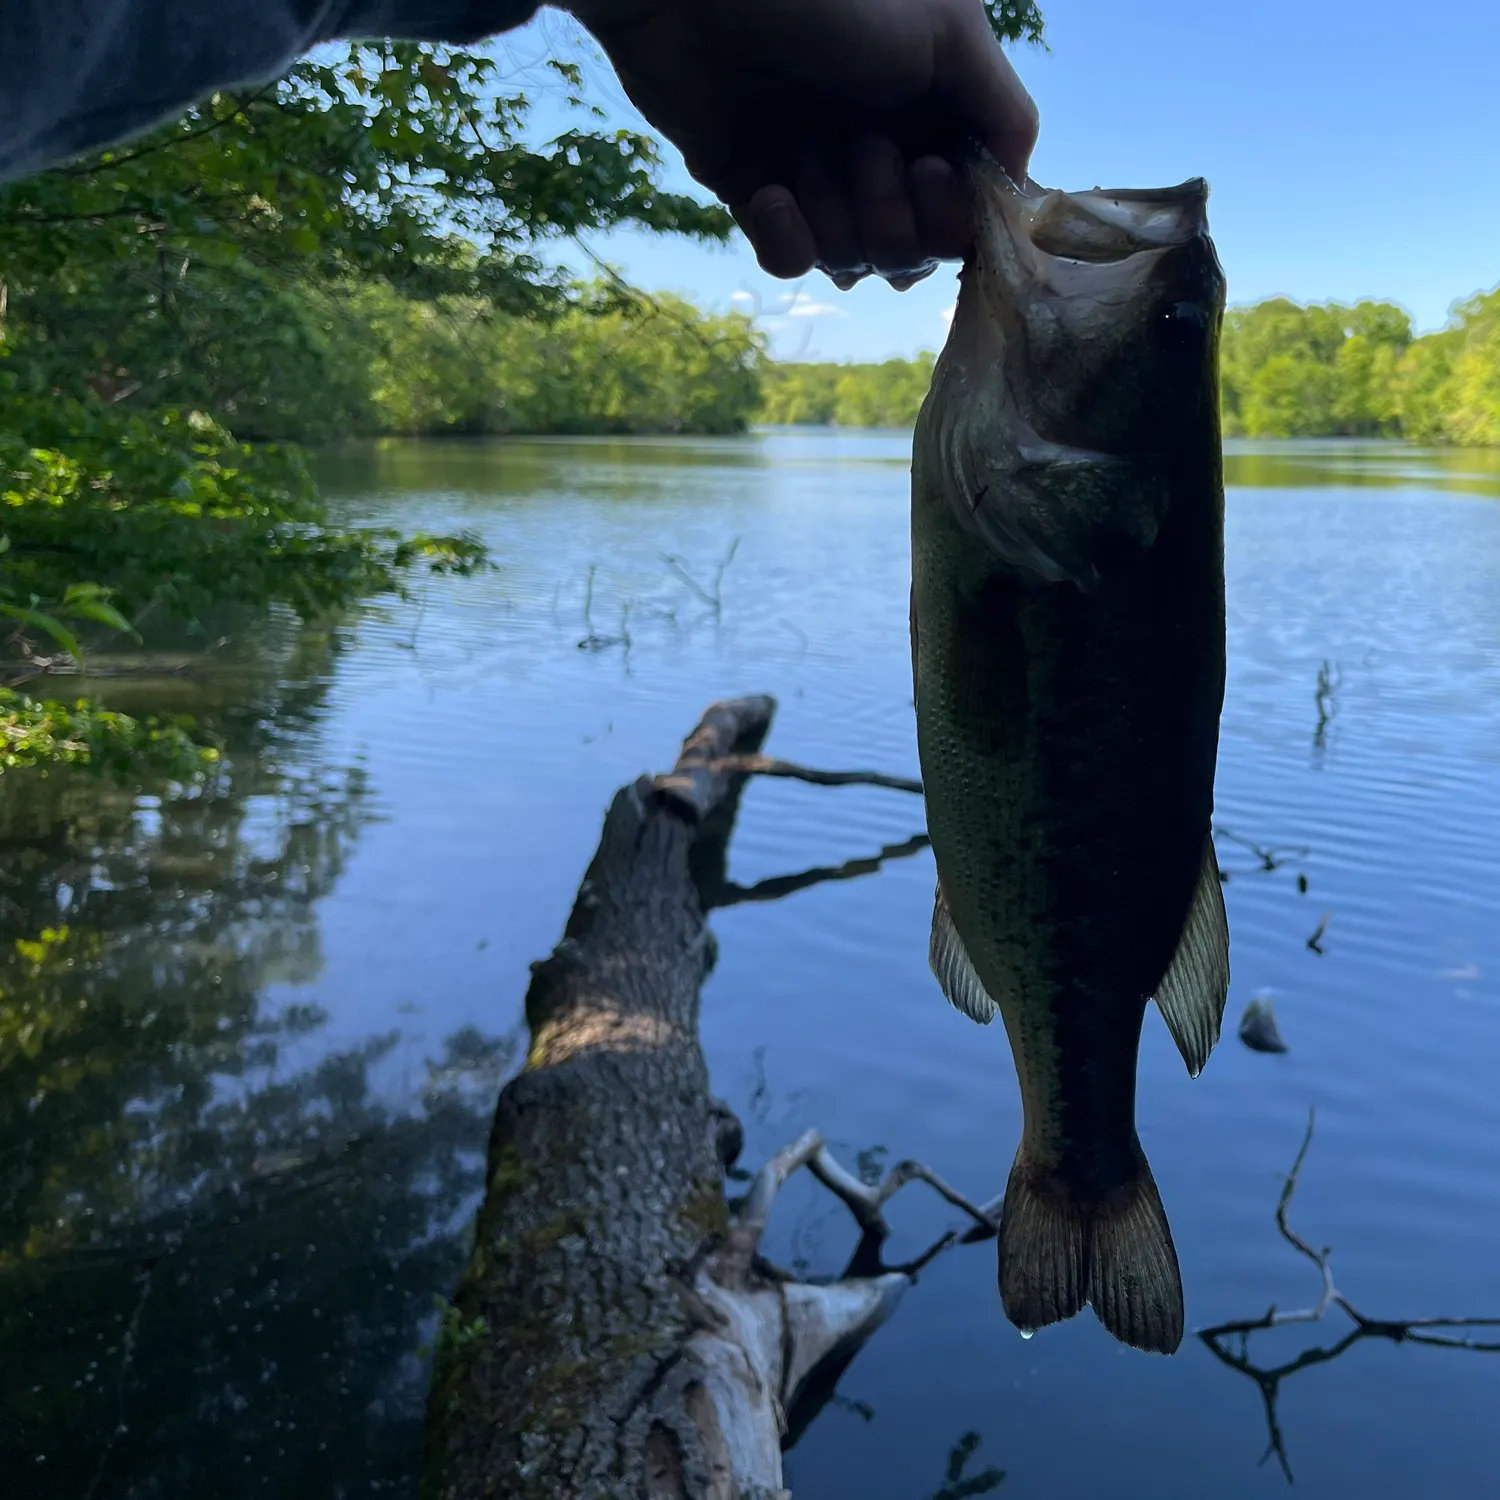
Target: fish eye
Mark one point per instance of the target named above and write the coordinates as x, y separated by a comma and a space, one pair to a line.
1181, 326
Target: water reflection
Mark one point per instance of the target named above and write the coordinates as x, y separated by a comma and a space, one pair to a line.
264, 1332
958, 1482
1230, 1342
215, 1261
511, 741
1260, 464
1330, 680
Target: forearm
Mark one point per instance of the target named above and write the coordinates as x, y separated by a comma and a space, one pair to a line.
81, 74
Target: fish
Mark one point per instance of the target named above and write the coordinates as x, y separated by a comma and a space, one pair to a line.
1068, 665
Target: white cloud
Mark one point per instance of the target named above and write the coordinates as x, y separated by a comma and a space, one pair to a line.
800, 305
743, 299
947, 316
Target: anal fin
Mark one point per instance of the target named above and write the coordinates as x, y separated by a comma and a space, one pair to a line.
1193, 990
955, 972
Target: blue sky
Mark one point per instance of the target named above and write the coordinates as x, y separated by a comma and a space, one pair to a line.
1353, 150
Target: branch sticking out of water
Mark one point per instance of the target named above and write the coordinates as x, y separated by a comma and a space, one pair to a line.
1315, 942
713, 597
593, 641
1398, 1331
1330, 680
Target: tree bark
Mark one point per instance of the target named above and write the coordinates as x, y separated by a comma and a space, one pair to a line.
610, 1336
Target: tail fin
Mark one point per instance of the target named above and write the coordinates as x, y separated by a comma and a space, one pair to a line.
1058, 1253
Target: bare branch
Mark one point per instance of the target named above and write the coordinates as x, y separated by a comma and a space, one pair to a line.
770, 765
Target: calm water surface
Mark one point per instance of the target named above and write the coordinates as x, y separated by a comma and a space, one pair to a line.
243, 1102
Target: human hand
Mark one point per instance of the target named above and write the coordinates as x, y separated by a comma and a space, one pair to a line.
830, 127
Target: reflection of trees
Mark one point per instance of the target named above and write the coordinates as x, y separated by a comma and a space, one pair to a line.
958, 1483
148, 927
262, 1334
1230, 1342
214, 1277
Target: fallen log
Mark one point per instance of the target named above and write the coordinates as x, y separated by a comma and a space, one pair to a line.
615, 1333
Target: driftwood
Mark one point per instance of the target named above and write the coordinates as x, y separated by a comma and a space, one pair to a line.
616, 1333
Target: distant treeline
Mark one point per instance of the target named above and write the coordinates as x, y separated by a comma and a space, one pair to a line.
1331, 370
616, 363
872, 395
1326, 370
309, 362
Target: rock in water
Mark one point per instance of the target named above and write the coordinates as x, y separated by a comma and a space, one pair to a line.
1258, 1029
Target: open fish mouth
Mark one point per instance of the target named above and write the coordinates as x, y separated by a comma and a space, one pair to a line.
1098, 226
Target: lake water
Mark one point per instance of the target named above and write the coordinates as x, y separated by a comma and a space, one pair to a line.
243, 1109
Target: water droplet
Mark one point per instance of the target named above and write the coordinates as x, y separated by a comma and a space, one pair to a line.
1028, 1333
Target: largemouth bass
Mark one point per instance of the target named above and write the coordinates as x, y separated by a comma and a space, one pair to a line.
1067, 624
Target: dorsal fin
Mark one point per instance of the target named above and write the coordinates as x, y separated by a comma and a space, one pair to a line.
950, 962
1196, 984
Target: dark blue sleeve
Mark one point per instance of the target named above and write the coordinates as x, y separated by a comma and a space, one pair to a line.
77, 75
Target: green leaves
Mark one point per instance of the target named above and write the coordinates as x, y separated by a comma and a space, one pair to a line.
1294, 371
45, 732
395, 161
869, 395
616, 362
1016, 21
48, 625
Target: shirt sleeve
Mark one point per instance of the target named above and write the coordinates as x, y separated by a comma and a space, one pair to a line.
77, 75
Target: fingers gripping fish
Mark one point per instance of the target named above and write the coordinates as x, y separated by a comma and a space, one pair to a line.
1067, 614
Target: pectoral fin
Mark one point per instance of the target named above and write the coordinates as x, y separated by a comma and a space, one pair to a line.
1192, 993
955, 973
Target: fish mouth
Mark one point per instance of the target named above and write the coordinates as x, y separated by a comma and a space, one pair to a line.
1047, 422
1026, 232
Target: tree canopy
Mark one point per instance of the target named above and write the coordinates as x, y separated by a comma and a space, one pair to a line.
230, 270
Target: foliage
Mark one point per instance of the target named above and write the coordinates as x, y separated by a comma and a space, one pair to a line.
200, 1185
174, 511
393, 161
1332, 370
204, 267
854, 395
615, 362
201, 278
46, 732
1288, 370
1016, 21
1293, 371
1473, 388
